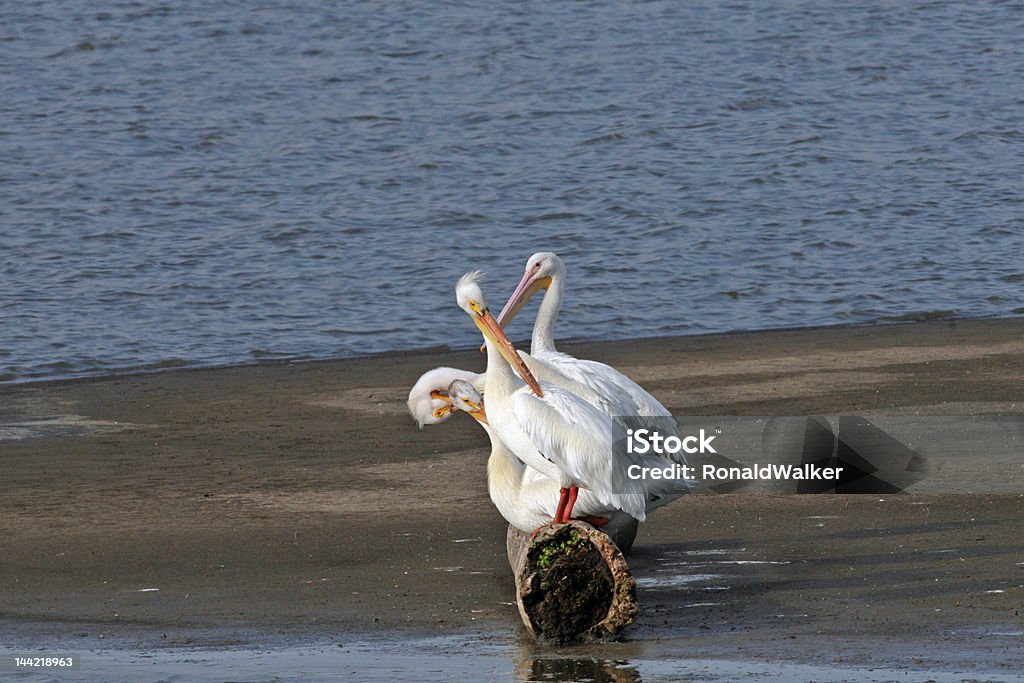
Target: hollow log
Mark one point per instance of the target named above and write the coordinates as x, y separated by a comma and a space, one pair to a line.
572, 583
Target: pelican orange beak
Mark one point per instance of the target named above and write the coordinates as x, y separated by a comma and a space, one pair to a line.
525, 290
444, 409
477, 411
490, 328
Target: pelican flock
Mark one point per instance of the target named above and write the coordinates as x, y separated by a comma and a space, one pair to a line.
524, 497
549, 417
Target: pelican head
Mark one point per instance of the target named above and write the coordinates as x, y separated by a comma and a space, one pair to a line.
465, 397
429, 402
471, 299
540, 269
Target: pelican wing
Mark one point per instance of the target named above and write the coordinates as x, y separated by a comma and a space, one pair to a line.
546, 372
578, 438
625, 396
608, 390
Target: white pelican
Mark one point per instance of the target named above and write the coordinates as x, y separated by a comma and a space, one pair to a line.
545, 270
603, 386
429, 403
523, 496
549, 428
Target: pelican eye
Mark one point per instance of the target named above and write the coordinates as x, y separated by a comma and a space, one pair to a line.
441, 412
476, 308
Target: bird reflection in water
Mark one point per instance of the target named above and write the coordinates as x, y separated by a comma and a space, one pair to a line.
558, 669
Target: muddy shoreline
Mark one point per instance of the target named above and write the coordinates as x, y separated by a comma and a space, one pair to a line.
238, 506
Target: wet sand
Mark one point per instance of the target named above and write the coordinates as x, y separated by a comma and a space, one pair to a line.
295, 503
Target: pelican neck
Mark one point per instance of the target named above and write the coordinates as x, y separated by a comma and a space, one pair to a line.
500, 375
543, 340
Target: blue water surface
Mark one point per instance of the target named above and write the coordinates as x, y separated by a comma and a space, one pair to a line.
219, 182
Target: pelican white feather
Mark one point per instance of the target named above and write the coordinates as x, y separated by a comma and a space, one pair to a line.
426, 405
522, 495
546, 426
604, 387
546, 271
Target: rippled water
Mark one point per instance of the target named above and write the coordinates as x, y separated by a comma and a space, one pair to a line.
489, 659
197, 183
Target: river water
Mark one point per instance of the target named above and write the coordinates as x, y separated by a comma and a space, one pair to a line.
202, 183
